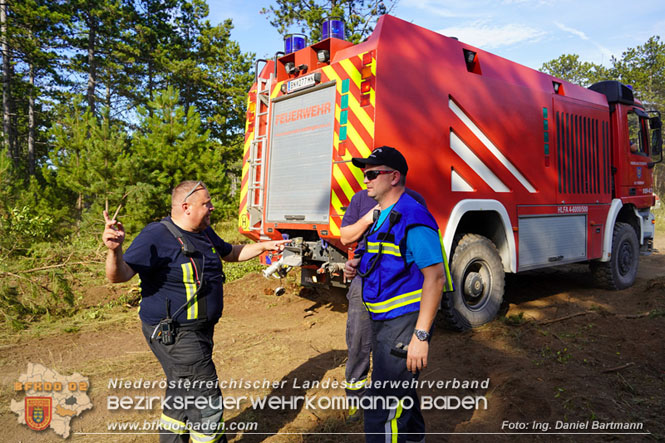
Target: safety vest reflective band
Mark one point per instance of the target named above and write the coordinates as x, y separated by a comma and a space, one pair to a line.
395, 302
393, 287
190, 291
448, 286
387, 248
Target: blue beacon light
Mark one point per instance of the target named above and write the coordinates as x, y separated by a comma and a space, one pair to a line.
294, 42
333, 27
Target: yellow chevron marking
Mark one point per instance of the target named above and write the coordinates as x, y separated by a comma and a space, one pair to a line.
336, 202
360, 113
358, 174
334, 229
248, 143
276, 90
340, 178
352, 71
357, 140
332, 75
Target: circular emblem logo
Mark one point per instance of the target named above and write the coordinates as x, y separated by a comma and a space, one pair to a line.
244, 222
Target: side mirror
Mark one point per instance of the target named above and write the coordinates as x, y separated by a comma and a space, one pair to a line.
656, 125
656, 142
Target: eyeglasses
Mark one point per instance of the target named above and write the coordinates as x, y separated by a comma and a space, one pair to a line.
371, 175
196, 186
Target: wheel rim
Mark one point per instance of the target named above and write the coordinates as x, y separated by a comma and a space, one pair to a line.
626, 258
476, 284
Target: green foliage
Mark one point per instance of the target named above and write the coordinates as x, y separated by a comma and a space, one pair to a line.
307, 15
88, 159
569, 67
643, 68
235, 271
24, 223
171, 147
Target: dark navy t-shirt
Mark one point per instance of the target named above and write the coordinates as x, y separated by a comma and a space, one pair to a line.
165, 272
361, 204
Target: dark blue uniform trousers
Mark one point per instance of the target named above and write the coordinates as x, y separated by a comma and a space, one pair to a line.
190, 374
400, 420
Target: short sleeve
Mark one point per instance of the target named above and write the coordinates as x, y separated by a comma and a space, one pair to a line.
352, 213
149, 250
222, 247
423, 247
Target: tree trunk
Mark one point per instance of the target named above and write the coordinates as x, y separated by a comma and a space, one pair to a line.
31, 122
107, 102
92, 68
6, 78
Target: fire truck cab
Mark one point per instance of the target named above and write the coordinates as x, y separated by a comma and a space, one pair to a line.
521, 170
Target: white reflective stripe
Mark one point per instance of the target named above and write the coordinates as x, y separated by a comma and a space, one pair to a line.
388, 426
458, 184
489, 145
172, 425
471, 159
391, 429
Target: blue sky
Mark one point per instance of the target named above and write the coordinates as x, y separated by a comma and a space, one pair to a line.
530, 32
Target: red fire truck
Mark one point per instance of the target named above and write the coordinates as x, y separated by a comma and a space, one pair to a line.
521, 170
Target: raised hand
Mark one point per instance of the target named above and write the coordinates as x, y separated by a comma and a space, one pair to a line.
114, 232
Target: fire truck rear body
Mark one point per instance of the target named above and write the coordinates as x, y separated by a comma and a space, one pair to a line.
536, 169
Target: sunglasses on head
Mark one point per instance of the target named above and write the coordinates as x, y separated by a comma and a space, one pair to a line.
196, 186
371, 175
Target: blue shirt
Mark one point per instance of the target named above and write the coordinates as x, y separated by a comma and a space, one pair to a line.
419, 241
166, 273
361, 204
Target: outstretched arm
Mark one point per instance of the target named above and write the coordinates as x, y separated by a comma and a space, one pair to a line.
247, 252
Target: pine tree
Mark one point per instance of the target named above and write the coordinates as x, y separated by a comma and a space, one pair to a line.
307, 15
172, 146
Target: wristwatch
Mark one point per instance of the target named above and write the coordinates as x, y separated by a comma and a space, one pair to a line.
421, 334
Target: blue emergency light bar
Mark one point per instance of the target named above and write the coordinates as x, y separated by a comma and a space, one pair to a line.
294, 42
333, 27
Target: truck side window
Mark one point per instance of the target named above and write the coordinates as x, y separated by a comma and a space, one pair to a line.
635, 134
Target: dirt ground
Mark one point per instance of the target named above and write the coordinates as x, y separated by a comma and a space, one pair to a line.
566, 352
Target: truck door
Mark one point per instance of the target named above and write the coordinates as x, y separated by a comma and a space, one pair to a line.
635, 146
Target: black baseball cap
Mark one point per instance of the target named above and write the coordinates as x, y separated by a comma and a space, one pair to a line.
385, 155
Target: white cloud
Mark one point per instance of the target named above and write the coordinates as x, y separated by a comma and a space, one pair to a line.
606, 53
570, 30
486, 36
442, 8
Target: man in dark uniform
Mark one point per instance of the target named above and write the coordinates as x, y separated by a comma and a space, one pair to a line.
404, 272
356, 222
179, 261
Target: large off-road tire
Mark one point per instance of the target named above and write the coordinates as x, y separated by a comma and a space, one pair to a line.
478, 277
620, 271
